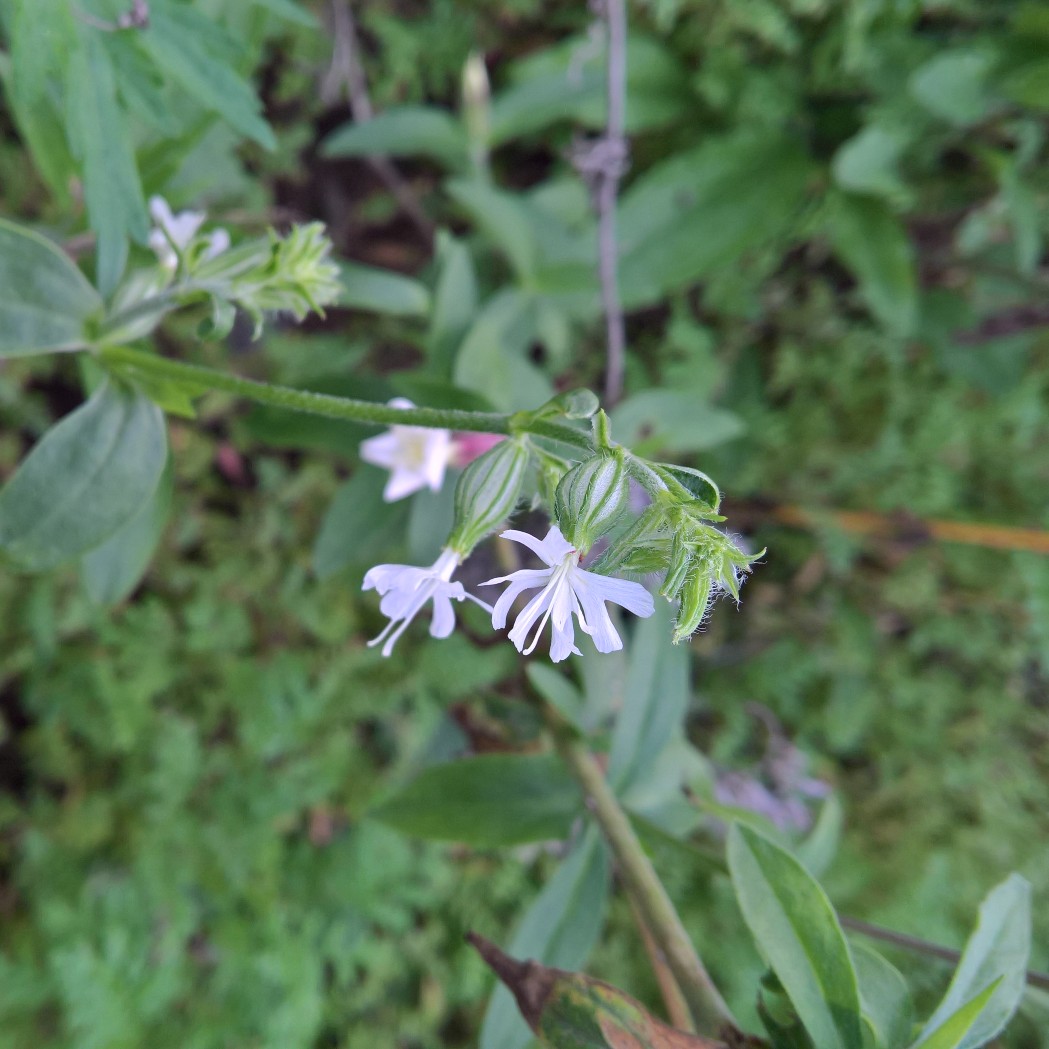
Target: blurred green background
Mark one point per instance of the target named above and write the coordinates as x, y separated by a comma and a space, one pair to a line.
832, 260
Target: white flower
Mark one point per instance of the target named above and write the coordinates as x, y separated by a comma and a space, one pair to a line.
567, 590
405, 589
416, 456
176, 231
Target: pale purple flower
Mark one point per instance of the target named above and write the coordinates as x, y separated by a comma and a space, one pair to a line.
173, 233
405, 589
567, 590
416, 456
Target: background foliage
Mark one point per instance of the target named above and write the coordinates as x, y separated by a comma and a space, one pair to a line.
831, 256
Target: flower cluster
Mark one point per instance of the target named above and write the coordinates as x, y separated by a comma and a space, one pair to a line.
672, 533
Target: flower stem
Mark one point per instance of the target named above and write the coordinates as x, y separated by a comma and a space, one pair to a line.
708, 1008
131, 361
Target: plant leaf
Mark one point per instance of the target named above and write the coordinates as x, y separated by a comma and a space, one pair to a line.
111, 571
175, 40
873, 244
404, 131
86, 478
796, 929
559, 928
487, 801
98, 132
997, 953
955, 1031
382, 291
45, 301
887, 1008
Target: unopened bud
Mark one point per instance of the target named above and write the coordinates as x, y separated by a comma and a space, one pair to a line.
681, 558
590, 497
695, 601
487, 493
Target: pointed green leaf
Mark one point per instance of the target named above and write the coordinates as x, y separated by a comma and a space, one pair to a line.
887, 1008
797, 931
492, 800
400, 132
45, 301
956, 1030
559, 929
997, 953
176, 40
111, 571
98, 131
86, 478
382, 291
873, 243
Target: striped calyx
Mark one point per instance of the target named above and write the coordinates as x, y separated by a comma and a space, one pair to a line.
590, 497
487, 493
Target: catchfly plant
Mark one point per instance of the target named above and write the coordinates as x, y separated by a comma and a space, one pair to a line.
567, 591
416, 457
173, 233
406, 589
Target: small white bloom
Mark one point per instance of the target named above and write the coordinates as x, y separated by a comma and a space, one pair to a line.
567, 590
176, 231
416, 456
405, 589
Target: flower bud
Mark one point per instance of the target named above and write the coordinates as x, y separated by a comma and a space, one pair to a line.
681, 558
695, 601
590, 497
487, 493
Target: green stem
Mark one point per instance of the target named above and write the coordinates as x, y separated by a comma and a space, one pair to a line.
708, 1008
133, 361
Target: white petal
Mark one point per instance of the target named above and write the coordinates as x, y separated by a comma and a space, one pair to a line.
218, 242
595, 620
632, 596
556, 546
443, 622
402, 483
533, 544
160, 210
383, 450
526, 579
562, 643
526, 620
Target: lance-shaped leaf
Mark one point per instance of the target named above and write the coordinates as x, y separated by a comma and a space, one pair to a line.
492, 800
996, 953
573, 1011
797, 931
45, 301
86, 478
560, 928
956, 1031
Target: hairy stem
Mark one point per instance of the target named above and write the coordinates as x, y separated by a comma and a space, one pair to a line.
131, 361
705, 1003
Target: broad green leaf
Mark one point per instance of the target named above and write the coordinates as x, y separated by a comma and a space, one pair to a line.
702, 210
358, 526
176, 40
874, 245
558, 691
797, 931
98, 131
672, 421
656, 697
86, 478
887, 1008
953, 85
400, 132
1028, 85
559, 929
996, 953
43, 35
290, 11
45, 301
382, 291
111, 571
487, 801
491, 360
868, 163
505, 219
455, 301
566, 82
956, 1030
